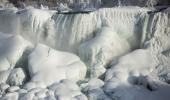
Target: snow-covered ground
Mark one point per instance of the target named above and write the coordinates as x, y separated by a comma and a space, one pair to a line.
120, 53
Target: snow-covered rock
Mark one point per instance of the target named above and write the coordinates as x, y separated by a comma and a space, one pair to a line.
49, 65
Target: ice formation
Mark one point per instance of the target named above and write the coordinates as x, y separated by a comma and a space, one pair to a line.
120, 53
98, 52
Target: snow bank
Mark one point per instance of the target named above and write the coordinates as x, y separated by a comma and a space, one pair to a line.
49, 65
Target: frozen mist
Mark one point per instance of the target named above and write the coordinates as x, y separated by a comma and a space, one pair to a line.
116, 53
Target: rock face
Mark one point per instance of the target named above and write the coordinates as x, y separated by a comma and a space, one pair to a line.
49, 65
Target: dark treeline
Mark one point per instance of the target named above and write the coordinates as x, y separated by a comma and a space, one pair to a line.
105, 3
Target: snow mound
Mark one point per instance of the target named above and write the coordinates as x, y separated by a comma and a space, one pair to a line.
49, 65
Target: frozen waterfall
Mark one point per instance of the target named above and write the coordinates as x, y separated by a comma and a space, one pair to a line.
98, 55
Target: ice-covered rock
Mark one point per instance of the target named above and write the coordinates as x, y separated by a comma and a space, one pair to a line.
49, 65
16, 77
99, 51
